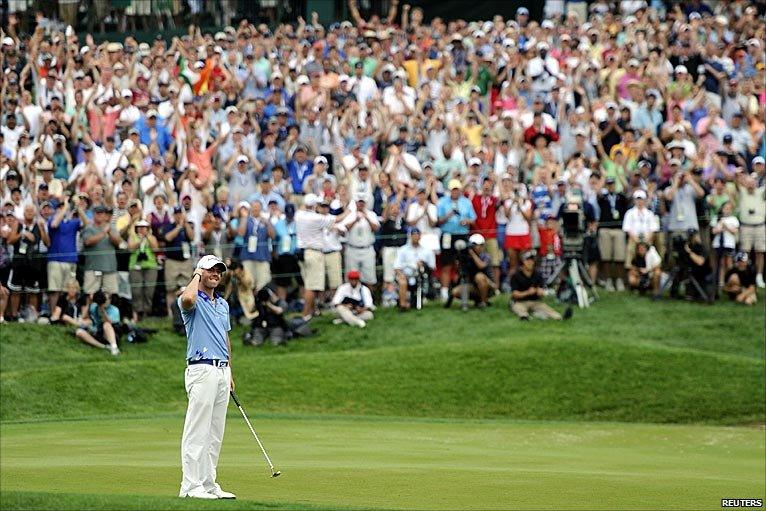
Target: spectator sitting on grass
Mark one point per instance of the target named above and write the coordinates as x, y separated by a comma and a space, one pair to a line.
101, 330
69, 309
353, 301
527, 291
740, 281
478, 272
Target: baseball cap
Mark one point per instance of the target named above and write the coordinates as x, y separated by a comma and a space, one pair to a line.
476, 239
414, 230
455, 183
360, 197
142, 223
242, 159
474, 161
610, 181
209, 262
522, 11
727, 138
757, 160
99, 209
310, 200
741, 256
320, 159
353, 274
639, 194
529, 254
243, 204
681, 70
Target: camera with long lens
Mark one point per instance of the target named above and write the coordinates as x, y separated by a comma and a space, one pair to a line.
573, 226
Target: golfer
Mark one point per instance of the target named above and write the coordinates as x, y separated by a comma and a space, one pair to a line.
208, 380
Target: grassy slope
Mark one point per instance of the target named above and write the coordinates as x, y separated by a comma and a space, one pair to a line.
402, 464
625, 359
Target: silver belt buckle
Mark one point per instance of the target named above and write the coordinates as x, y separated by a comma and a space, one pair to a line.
222, 363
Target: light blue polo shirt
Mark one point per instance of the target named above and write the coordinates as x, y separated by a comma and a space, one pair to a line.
207, 324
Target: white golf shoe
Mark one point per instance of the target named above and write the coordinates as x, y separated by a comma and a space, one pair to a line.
219, 493
199, 493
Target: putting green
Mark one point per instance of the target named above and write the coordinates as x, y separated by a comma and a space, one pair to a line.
394, 463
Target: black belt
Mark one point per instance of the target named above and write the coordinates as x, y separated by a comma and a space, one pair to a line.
358, 246
209, 361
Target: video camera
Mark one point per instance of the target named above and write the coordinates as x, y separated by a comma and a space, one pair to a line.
573, 226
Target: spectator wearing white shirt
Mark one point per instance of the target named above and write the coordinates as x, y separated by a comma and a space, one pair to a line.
640, 224
353, 301
422, 215
360, 251
725, 229
411, 259
310, 232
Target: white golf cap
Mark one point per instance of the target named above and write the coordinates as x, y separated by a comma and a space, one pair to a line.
127, 93
151, 113
639, 194
476, 239
757, 160
243, 204
209, 262
8, 41
142, 223
302, 80
242, 159
310, 200
474, 161
320, 159
359, 196
681, 70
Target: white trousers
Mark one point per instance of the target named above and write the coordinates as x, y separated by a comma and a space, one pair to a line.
208, 390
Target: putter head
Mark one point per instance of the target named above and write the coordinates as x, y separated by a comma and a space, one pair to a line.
276, 474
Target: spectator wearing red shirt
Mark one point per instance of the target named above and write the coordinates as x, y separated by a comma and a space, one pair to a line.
485, 205
539, 128
550, 249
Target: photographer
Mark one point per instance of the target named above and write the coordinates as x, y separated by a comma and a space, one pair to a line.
412, 260
695, 258
641, 275
103, 317
527, 289
682, 194
270, 321
353, 302
475, 264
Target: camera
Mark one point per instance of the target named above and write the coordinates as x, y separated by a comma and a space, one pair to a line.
573, 226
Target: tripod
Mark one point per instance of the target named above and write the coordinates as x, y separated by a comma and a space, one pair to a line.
680, 275
579, 281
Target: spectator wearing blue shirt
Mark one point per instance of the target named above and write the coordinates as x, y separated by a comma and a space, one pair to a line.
62, 253
455, 216
267, 195
270, 155
285, 266
298, 169
151, 129
103, 318
257, 231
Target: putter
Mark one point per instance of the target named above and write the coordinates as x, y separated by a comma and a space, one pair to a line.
274, 473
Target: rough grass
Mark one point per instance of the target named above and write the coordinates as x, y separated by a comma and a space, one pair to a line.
626, 359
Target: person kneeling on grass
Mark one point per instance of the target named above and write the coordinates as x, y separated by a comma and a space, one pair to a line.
739, 282
70, 306
527, 290
642, 275
103, 316
353, 302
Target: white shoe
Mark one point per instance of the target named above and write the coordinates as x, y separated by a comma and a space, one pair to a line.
219, 493
200, 494
444, 294
114, 350
759, 281
609, 286
361, 323
337, 321
619, 285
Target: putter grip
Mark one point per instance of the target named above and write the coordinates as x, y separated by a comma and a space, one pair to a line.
236, 401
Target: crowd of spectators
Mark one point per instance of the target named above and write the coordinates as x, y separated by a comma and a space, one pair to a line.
377, 148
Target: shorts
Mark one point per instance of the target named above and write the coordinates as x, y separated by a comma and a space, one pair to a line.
518, 243
260, 270
24, 277
448, 255
284, 269
333, 267
590, 250
59, 274
362, 259
389, 258
313, 270
752, 237
612, 244
724, 252
104, 281
493, 249
177, 274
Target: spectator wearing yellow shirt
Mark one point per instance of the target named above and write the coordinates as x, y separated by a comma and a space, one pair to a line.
417, 66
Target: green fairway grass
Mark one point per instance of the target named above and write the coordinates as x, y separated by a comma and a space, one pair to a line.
631, 405
400, 464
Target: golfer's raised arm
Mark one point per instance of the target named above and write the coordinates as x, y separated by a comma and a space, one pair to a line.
189, 296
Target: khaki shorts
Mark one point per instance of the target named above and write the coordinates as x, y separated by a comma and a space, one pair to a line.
313, 270
493, 249
611, 243
333, 268
389, 258
260, 270
94, 281
177, 274
59, 274
752, 237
